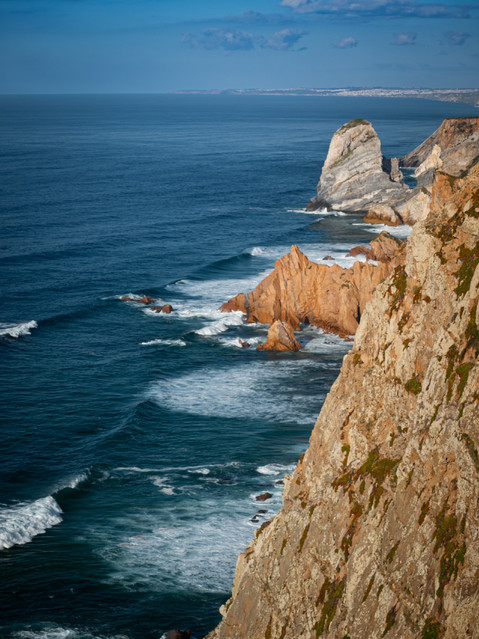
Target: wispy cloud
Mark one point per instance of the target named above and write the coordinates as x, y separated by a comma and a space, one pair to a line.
235, 40
376, 8
401, 39
284, 40
346, 43
457, 38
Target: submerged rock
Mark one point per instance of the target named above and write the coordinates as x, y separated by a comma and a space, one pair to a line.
264, 497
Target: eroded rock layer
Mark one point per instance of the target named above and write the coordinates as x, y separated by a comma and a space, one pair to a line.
378, 533
300, 291
355, 175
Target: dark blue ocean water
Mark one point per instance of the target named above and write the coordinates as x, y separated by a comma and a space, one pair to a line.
133, 444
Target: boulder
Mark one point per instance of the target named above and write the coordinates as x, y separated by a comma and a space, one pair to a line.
355, 175
167, 308
264, 497
382, 214
280, 338
178, 634
243, 344
143, 300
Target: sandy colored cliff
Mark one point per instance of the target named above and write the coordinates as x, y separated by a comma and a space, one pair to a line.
378, 535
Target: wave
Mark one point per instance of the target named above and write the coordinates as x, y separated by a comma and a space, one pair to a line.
323, 211
254, 251
53, 631
20, 523
274, 469
164, 342
404, 230
235, 318
17, 330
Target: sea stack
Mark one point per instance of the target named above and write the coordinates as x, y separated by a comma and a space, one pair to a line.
355, 175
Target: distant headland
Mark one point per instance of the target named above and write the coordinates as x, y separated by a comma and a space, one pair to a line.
468, 96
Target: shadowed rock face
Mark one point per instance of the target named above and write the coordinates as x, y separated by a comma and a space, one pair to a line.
353, 176
453, 148
378, 532
280, 338
299, 291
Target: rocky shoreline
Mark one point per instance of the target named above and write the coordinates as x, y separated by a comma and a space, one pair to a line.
377, 536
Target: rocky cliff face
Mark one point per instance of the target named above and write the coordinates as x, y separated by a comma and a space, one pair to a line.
378, 535
355, 174
299, 291
453, 148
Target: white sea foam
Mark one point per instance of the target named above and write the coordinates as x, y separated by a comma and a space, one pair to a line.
249, 390
402, 231
274, 469
52, 631
20, 523
162, 484
17, 330
234, 342
255, 251
164, 342
236, 318
325, 343
200, 471
194, 547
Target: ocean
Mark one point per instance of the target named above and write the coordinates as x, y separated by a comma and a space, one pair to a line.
133, 444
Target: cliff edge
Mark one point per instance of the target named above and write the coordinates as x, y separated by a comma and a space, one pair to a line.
378, 533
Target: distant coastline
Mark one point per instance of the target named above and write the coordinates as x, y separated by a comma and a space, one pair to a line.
467, 96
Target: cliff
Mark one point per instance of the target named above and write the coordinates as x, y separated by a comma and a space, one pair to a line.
355, 175
453, 148
299, 291
378, 532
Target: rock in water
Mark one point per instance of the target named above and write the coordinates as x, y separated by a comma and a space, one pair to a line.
280, 338
353, 177
377, 536
330, 297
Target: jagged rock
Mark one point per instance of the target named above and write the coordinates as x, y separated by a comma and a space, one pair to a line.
458, 141
243, 344
353, 176
328, 257
452, 148
299, 291
384, 248
280, 338
382, 214
377, 535
167, 308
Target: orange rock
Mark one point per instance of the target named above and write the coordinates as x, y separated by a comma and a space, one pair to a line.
243, 344
144, 300
300, 291
280, 338
167, 308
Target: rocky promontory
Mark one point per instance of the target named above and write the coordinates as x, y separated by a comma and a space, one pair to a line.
357, 178
299, 291
355, 175
378, 533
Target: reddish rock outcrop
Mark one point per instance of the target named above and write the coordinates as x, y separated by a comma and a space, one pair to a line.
299, 291
143, 300
280, 338
167, 308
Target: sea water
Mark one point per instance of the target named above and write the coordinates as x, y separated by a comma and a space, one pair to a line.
133, 444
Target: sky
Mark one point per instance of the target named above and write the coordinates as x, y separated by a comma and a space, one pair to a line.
159, 46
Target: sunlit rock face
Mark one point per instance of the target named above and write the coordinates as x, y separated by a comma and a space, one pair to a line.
355, 175
378, 532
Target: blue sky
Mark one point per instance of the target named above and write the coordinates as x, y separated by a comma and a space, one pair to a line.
149, 46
